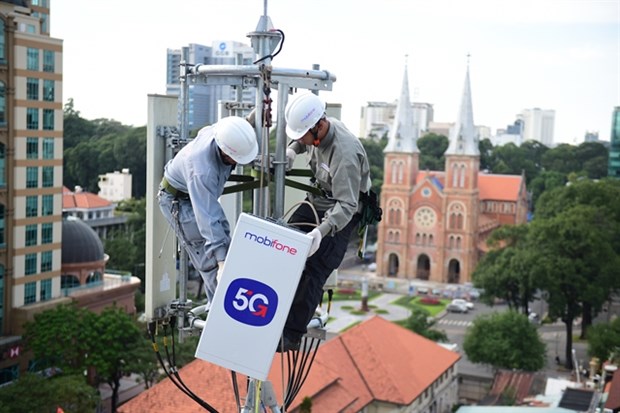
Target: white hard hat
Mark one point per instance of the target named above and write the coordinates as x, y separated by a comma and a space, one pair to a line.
237, 139
302, 112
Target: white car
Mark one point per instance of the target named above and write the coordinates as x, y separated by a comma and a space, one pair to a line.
457, 306
469, 304
459, 302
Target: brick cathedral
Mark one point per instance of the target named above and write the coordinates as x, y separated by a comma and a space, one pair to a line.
436, 223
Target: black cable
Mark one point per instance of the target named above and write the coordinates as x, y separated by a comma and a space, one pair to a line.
236, 389
276, 53
175, 376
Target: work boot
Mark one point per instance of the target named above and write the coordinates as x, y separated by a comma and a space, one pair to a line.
287, 344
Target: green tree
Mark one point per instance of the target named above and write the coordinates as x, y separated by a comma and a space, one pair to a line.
374, 152
421, 323
604, 341
560, 159
112, 337
505, 340
78, 340
545, 181
575, 263
505, 271
592, 158
36, 393
597, 249
485, 147
432, 148
58, 338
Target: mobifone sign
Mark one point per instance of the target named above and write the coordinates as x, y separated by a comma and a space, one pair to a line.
254, 295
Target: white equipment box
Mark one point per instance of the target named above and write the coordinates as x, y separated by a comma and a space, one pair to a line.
253, 297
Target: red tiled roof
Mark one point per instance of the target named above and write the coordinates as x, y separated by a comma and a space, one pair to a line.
490, 186
499, 187
613, 399
82, 200
375, 360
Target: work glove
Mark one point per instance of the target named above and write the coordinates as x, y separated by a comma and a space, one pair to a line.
220, 270
316, 241
290, 157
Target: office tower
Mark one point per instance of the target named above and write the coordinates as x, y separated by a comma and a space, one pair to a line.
203, 99
614, 150
31, 142
538, 125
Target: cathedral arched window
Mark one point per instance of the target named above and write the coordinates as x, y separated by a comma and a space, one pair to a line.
458, 243
394, 171
417, 238
451, 241
430, 239
424, 239
397, 236
455, 175
462, 177
401, 172
459, 221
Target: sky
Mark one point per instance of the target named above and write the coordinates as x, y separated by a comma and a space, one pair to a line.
562, 55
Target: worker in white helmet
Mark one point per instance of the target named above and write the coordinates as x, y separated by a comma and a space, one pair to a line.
192, 184
340, 170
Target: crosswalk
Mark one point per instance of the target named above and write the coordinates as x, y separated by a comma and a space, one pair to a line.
460, 323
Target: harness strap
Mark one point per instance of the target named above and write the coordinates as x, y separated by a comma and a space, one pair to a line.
165, 185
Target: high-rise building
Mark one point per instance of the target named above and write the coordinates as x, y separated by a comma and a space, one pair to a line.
203, 99
31, 142
538, 125
377, 118
614, 149
42, 262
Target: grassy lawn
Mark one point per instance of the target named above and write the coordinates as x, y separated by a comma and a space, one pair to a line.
411, 302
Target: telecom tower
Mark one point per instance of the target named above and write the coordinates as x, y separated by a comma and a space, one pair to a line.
167, 304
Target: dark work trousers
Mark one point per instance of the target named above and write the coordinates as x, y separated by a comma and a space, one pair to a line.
317, 270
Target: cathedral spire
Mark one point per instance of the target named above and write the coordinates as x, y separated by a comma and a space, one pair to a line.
463, 138
403, 133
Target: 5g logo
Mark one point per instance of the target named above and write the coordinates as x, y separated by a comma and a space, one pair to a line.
250, 302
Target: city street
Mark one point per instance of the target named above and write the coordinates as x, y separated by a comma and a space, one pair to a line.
454, 324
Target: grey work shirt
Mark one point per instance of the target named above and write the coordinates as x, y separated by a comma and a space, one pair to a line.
341, 169
198, 169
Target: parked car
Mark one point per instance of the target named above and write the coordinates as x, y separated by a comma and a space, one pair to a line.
457, 306
468, 304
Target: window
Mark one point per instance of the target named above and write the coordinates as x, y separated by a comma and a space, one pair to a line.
48, 148
1, 225
32, 206
31, 264
48, 119
48, 176
46, 290
2, 44
47, 233
32, 59
30, 293
32, 177
46, 261
31, 235
32, 88
48, 90
32, 118
2, 165
32, 148
2, 104
47, 205
48, 60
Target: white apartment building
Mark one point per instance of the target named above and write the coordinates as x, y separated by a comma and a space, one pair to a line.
538, 125
115, 186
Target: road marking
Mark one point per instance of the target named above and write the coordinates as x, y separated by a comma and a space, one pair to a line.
462, 323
